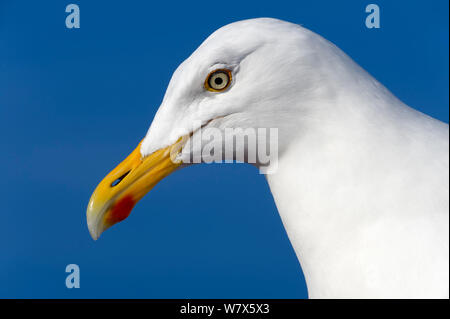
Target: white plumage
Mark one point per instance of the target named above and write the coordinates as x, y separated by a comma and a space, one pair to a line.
362, 180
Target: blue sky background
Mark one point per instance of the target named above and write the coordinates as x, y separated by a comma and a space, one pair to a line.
74, 103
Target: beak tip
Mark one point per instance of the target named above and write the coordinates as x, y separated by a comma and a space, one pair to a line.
94, 237
93, 233
94, 229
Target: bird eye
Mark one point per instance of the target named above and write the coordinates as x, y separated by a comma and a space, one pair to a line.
218, 80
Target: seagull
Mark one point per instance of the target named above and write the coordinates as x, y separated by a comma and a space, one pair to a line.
361, 180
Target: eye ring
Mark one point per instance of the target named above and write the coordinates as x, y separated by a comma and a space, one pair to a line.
218, 80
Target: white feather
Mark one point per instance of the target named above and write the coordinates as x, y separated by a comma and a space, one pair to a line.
362, 181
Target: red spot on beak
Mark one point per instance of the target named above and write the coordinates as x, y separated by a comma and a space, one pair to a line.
121, 210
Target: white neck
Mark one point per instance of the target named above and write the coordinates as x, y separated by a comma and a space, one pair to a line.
365, 203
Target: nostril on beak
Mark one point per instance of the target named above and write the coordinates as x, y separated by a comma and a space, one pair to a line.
117, 181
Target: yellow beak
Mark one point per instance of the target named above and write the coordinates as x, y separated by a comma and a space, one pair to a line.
116, 195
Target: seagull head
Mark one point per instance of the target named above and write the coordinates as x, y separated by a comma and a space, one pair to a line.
259, 73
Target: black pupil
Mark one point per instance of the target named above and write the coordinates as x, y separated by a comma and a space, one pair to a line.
218, 81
